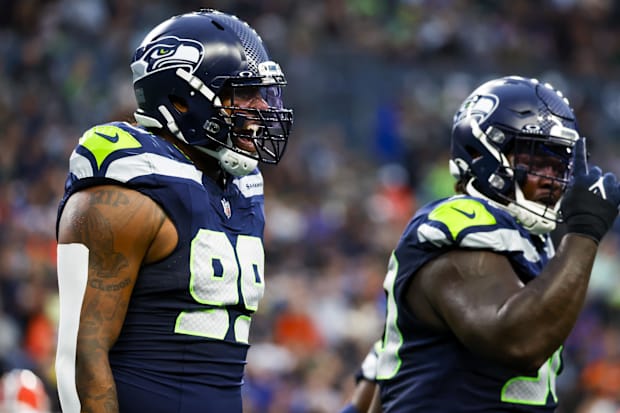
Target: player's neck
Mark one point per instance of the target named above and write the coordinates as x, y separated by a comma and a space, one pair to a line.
203, 162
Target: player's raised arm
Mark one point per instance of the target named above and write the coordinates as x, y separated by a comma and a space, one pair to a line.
479, 296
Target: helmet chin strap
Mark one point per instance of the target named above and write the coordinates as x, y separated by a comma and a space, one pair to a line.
534, 217
538, 219
232, 162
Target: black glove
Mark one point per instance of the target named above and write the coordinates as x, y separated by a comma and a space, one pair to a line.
590, 203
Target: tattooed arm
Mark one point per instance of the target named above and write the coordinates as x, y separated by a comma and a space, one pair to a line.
121, 229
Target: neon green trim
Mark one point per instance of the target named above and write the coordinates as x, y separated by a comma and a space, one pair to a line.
389, 350
459, 214
544, 384
520, 379
555, 365
101, 141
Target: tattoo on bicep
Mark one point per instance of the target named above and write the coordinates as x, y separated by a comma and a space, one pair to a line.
109, 197
105, 260
96, 231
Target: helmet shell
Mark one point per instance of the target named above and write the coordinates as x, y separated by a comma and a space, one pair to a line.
180, 70
493, 120
505, 109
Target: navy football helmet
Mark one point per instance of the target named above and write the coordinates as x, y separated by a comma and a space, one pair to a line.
190, 65
506, 129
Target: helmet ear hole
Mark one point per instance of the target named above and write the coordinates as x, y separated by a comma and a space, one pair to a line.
473, 152
179, 103
226, 92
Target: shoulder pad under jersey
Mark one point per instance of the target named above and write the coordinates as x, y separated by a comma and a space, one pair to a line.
121, 152
469, 222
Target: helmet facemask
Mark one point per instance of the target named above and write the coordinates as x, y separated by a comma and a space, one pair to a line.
254, 130
547, 162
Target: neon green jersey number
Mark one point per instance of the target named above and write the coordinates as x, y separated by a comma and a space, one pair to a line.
389, 361
534, 390
241, 271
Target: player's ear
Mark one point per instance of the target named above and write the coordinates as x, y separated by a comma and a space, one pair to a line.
179, 103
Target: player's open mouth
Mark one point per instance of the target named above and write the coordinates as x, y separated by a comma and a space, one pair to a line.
245, 144
244, 139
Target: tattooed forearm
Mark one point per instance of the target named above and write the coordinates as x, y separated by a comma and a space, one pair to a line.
100, 285
94, 380
117, 225
105, 401
103, 405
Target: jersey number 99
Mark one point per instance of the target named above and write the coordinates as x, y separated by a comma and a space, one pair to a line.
239, 281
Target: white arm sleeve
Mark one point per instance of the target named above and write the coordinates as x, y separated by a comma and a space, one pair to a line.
72, 267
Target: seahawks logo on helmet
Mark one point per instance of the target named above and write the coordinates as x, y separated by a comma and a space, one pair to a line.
166, 53
479, 107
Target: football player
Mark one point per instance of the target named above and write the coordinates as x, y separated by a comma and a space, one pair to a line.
365, 384
160, 230
479, 301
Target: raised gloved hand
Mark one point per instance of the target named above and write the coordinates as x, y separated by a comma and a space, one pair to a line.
590, 204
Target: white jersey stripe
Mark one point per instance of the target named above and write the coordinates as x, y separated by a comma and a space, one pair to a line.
80, 166
500, 240
130, 167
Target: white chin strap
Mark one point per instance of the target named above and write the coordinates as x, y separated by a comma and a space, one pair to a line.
534, 217
235, 163
232, 162
538, 219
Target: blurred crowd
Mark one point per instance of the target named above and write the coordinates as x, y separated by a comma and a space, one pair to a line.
374, 85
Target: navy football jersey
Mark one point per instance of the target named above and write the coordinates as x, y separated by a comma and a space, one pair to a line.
184, 341
368, 369
423, 370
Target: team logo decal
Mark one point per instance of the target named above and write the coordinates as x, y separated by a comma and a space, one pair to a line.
168, 52
226, 206
479, 107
